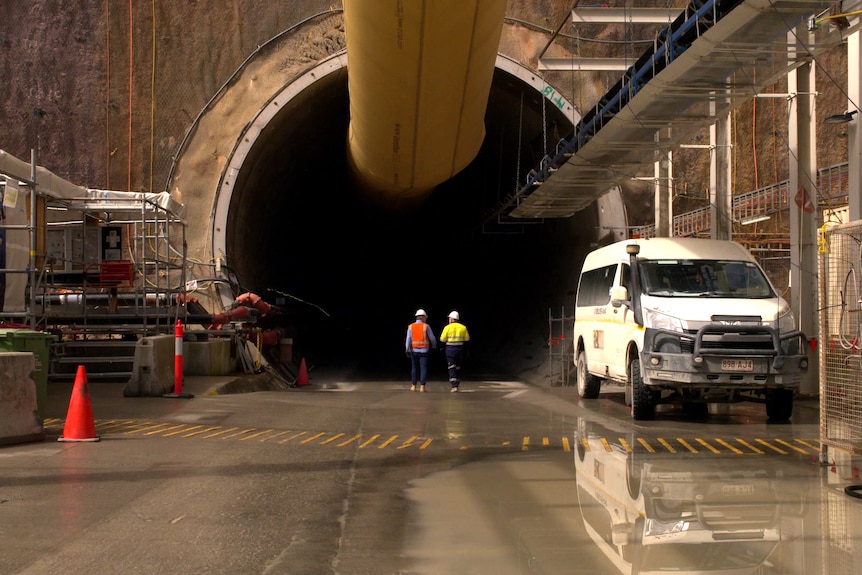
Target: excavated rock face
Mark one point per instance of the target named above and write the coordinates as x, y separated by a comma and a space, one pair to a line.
103, 108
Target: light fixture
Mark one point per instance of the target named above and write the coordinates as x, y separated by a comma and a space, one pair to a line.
840, 118
754, 219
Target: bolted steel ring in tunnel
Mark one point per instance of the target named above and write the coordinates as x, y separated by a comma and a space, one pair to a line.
349, 273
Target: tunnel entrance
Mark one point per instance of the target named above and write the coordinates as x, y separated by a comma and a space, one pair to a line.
349, 274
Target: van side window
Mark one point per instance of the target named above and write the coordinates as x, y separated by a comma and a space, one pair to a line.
595, 286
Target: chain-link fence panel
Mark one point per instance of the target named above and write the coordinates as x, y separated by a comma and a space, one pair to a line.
840, 277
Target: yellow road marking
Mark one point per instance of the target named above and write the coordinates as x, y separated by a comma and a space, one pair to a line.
407, 443
222, 432
707, 445
183, 425
300, 434
729, 446
805, 443
313, 437
646, 445
137, 425
140, 429
198, 430
666, 445
238, 433
750, 446
258, 434
790, 445
168, 429
279, 434
331, 439
387, 442
687, 445
114, 423
351, 440
369, 441
772, 447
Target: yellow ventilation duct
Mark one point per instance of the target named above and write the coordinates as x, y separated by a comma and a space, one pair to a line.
419, 74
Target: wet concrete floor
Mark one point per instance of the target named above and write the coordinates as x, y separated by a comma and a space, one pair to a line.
362, 476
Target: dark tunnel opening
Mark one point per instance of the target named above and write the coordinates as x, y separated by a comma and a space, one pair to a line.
349, 275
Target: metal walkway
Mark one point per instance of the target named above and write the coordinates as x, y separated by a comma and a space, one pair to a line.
714, 57
832, 185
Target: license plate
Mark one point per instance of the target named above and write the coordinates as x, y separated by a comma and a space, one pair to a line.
738, 489
737, 365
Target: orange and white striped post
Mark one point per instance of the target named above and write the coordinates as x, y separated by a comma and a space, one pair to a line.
178, 364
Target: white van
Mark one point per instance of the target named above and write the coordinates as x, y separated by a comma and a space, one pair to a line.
685, 319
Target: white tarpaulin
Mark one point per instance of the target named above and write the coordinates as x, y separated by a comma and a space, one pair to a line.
15, 243
47, 182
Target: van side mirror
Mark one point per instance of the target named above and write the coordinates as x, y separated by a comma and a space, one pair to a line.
619, 295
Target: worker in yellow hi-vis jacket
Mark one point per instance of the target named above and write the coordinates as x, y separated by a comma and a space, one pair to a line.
456, 339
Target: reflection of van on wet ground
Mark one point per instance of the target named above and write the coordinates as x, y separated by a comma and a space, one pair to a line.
684, 319
659, 515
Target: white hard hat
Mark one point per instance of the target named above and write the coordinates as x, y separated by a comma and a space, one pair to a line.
454, 315
420, 311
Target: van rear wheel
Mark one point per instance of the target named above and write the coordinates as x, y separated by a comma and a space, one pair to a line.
643, 399
588, 384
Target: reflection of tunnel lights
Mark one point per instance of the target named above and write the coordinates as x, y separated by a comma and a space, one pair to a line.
753, 220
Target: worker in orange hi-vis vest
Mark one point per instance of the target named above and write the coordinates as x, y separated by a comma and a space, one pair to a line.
420, 341
455, 339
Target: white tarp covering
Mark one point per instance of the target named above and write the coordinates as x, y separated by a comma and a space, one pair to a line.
47, 182
15, 248
15, 243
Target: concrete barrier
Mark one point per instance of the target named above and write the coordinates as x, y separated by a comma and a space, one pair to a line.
212, 357
19, 410
153, 367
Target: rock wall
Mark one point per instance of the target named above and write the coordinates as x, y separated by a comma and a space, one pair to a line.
105, 92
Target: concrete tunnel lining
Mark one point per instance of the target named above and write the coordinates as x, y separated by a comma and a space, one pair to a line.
349, 274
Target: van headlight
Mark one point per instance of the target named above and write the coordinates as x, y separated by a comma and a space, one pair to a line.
786, 321
657, 320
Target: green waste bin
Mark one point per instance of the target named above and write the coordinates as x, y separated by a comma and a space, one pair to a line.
39, 344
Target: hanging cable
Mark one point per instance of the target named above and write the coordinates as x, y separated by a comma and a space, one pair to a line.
754, 136
131, 84
153, 97
108, 94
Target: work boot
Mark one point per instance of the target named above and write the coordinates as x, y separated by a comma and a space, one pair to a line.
413, 387
421, 389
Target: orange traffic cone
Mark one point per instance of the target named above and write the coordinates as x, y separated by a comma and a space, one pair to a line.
79, 424
302, 379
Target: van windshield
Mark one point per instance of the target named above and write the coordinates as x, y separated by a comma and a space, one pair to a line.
704, 278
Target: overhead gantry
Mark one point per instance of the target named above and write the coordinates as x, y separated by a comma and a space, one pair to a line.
716, 55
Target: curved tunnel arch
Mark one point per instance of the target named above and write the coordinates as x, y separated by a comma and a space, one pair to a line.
349, 274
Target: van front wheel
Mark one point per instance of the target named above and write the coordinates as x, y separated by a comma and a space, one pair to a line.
779, 404
643, 400
588, 384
